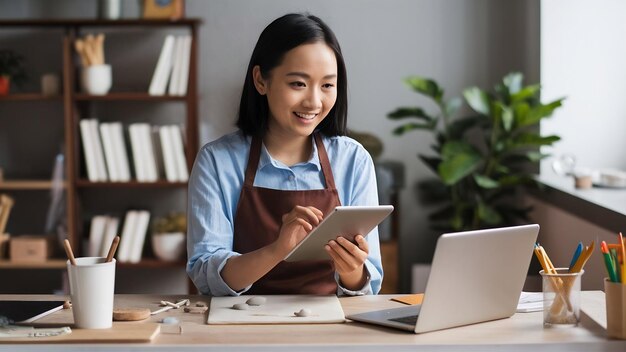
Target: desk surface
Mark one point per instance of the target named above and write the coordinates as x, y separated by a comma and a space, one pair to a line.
522, 332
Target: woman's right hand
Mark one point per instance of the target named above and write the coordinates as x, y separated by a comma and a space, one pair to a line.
296, 225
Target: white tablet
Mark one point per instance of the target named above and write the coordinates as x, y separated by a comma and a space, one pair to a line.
345, 221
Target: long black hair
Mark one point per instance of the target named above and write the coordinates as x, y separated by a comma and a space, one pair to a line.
280, 36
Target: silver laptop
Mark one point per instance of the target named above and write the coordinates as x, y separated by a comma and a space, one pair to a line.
476, 276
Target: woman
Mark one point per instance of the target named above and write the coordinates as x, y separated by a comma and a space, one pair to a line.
254, 194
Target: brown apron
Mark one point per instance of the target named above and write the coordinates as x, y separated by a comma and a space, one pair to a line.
258, 220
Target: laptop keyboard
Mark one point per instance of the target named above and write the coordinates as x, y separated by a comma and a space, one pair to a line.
409, 320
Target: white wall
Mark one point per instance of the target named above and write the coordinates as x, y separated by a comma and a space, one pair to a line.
583, 58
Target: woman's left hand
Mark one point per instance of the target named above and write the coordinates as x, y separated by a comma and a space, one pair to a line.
349, 259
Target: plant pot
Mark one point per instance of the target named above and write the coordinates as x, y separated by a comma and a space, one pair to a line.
169, 246
5, 83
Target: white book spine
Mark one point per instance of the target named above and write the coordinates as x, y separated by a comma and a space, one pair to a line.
184, 70
109, 153
88, 150
121, 156
168, 154
176, 65
148, 152
141, 227
110, 231
163, 68
128, 232
135, 143
179, 153
100, 164
96, 232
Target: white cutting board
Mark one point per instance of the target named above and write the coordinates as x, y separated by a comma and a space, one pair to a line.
278, 309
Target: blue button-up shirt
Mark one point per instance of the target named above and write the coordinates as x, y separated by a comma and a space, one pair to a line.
215, 184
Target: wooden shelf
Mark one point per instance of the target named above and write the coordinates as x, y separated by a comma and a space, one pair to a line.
128, 96
152, 263
30, 97
95, 22
130, 184
25, 185
50, 264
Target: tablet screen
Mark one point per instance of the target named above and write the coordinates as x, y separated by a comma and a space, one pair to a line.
27, 311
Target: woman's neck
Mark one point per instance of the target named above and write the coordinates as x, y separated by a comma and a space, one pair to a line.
288, 150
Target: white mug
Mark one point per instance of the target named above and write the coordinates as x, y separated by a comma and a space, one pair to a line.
92, 285
50, 84
96, 79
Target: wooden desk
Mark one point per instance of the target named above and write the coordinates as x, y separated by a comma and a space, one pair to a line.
522, 332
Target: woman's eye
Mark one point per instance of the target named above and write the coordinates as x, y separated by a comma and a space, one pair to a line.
328, 85
297, 84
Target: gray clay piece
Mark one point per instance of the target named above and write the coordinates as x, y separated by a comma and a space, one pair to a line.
170, 320
241, 306
304, 312
256, 301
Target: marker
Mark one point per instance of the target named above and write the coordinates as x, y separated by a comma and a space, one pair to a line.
577, 252
608, 261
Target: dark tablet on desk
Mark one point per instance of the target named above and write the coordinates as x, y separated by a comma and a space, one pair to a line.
27, 311
345, 221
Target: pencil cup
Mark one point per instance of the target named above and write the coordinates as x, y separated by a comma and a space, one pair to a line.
615, 309
96, 79
92, 284
561, 297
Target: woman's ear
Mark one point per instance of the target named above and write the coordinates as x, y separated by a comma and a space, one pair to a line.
259, 83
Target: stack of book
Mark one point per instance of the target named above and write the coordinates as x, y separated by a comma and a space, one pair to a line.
172, 67
104, 229
157, 152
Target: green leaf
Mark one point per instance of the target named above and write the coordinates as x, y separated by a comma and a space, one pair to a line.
485, 182
526, 93
513, 82
533, 139
452, 106
538, 112
458, 127
507, 118
477, 100
425, 86
459, 160
535, 156
406, 112
488, 214
412, 126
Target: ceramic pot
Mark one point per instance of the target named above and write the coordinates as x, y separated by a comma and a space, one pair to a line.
169, 246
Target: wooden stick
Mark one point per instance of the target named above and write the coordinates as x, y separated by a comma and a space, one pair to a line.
68, 251
113, 248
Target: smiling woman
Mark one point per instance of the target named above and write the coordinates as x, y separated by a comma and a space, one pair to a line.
256, 193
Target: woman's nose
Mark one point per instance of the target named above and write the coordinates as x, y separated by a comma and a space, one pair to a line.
312, 100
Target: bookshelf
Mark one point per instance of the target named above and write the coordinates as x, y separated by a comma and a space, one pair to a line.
76, 105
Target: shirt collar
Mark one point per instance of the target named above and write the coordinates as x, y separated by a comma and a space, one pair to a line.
266, 158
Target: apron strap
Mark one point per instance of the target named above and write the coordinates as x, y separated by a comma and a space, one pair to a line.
255, 156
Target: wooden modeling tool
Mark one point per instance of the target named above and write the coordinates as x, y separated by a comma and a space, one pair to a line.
113, 248
68, 251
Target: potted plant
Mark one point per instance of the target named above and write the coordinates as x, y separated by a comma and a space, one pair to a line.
11, 69
168, 236
480, 161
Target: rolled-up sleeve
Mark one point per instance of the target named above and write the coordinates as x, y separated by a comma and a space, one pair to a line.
210, 231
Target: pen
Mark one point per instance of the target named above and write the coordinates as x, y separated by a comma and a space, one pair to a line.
608, 261
579, 249
621, 242
582, 259
616, 267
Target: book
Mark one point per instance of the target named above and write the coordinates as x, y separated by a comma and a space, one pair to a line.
109, 152
128, 232
184, 70
179, 153
163, 68
119, 147
110, 231
138, 160
97, 146
139, 236
168, 154
145, 137
96, 234
89, 151
176, 65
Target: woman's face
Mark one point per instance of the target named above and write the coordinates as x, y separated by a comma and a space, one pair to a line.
301, 90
